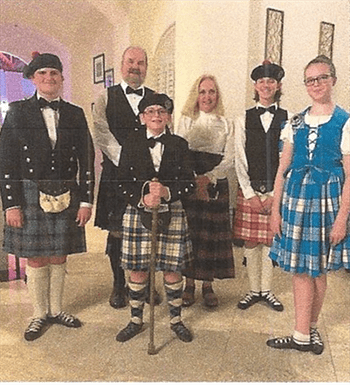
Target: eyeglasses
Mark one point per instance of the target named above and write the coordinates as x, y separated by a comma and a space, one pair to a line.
320, 79
153, 112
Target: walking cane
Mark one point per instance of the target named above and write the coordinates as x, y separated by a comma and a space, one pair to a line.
151, 347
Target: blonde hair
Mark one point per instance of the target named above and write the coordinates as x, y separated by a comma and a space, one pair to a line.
191, 108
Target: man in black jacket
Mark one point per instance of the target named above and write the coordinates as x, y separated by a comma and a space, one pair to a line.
47, 184
116, 115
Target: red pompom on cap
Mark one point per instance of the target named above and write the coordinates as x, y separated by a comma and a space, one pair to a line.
266, 62
35, 54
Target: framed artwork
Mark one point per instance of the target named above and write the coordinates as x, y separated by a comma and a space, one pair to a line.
99, 68
109, 78
325, 43
274, 35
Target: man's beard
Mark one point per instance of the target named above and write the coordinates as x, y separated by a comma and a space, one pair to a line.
137, 81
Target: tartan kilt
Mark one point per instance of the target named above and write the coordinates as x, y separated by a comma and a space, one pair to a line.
210, 232
308, 212
174, 247
251, 226
45, 234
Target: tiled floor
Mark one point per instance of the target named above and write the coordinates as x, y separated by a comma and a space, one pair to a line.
229, 344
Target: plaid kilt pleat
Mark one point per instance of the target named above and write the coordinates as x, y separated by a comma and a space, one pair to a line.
174, 247
308, 212
44, 234
210, 232
251, 226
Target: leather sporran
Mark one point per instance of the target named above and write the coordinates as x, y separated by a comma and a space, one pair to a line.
164, 218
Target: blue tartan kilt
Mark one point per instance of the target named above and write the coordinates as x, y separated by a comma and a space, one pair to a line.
45, 234
308, 212
174, 247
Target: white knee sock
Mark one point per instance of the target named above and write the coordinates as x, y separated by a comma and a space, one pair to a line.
266, 270
57, 275
300, 338
38, 288
254, 268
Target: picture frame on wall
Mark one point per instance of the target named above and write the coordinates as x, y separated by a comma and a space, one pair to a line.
99, 68
274, 35
326, 38
109, 78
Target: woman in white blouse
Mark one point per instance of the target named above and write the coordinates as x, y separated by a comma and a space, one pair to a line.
211, 140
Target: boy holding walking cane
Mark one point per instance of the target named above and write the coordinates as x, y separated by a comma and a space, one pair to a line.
155, 171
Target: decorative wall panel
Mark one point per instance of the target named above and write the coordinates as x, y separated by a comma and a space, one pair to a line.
325, 45
274, 35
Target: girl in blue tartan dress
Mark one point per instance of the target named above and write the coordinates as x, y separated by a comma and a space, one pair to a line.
310, 213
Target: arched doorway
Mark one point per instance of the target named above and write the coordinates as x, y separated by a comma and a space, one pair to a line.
164, 59
12, 87
12, 84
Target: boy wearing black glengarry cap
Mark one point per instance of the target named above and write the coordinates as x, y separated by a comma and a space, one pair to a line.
146, 155
256, 159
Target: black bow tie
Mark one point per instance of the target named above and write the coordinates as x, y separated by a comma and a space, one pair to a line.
262, 110
130, 90
151, 142
44, 103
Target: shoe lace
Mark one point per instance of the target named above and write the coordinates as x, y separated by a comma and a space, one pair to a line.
65, 317
283, 340
315, 337
35, 325
272, 299
248, 297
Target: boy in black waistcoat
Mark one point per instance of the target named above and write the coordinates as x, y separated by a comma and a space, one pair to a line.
256, 159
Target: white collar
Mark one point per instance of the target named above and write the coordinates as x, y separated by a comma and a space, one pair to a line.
258, 104
124, 84
53, 100
150, 135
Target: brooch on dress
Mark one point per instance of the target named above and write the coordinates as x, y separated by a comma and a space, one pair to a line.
297, 121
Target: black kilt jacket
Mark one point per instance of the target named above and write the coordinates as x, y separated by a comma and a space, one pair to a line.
26, 152
136, 167
122, 121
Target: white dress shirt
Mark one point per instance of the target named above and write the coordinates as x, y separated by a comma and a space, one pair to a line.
157, 151
156, 155
102, 135
51, 118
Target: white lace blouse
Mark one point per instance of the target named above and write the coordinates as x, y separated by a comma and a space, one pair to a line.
213, 134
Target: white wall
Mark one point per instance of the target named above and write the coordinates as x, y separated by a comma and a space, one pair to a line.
227, 38
222, 37
211, 37
300, 45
